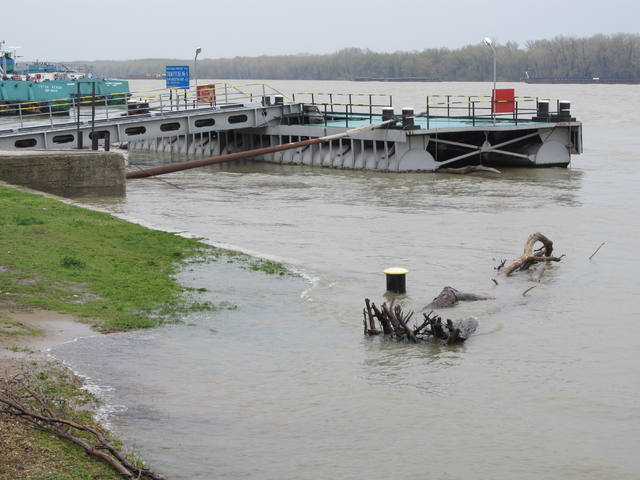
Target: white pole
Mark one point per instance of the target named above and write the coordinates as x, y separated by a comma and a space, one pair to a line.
494, 102
195, 65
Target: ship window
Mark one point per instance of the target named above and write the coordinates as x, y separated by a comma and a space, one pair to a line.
205, 122
63, 139
238, 119
29, 142
101, 134
135, 130
169, 127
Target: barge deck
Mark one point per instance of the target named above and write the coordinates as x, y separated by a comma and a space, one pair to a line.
454, 131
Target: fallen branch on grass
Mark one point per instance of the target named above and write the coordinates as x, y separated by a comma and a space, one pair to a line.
20, 399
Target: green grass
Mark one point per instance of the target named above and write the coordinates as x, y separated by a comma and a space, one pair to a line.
10, 328
55, 255
39, 454
116, 275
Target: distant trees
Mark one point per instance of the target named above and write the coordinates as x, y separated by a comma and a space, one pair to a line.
598, 56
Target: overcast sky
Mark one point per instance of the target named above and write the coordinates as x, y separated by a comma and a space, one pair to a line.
58, 30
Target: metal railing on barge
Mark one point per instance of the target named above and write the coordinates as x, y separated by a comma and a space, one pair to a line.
471, 110
337, 110
119, 107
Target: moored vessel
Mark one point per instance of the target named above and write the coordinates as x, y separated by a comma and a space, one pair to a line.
51, 88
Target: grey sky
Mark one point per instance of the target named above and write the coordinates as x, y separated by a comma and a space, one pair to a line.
60, 30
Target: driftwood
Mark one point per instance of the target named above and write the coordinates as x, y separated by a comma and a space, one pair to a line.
596, 251
530, 257
395, 324
450, 296
538, 271
468, 169
20, 399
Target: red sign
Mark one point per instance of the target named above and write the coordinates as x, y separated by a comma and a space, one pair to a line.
207, 94
503, 100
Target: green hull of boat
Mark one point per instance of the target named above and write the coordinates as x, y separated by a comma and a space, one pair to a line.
58, 95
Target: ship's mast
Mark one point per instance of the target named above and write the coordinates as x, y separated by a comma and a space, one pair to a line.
4, 60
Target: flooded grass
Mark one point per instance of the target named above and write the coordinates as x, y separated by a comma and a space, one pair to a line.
115, 274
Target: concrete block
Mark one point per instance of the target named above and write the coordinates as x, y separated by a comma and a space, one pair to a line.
66, 173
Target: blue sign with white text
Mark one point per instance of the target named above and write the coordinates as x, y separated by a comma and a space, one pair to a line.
177, 76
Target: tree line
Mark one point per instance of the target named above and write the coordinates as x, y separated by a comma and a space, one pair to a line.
604, 56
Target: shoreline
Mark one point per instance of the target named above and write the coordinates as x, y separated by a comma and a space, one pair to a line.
28, 331
53, 329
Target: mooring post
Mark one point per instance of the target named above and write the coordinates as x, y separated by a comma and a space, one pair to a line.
396, 279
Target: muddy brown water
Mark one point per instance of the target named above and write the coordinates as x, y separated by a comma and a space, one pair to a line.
287, 387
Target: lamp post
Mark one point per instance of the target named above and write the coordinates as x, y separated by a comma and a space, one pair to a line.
488, 42
195, 65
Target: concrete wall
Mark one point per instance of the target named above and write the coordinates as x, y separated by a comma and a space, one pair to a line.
66, 173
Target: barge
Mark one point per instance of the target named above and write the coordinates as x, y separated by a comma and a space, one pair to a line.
49, 88
394, 79
581, 80
352, 131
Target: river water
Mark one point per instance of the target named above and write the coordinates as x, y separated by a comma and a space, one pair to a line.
287, 386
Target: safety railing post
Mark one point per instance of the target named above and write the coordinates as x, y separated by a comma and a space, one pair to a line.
78, 132
94, 137
427, 111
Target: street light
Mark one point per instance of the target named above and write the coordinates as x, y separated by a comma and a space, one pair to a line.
195, 64
489, 43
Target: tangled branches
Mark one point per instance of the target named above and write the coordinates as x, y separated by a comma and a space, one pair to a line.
530, 257
394, 323
21, 399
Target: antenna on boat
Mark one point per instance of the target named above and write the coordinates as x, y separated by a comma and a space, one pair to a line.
15, 52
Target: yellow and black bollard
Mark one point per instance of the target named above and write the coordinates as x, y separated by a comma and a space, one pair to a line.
396, 280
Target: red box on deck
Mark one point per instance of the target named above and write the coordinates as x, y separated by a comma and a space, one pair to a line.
207, 93
503, 100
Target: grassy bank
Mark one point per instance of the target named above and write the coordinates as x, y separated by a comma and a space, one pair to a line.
32, 453
112, 274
